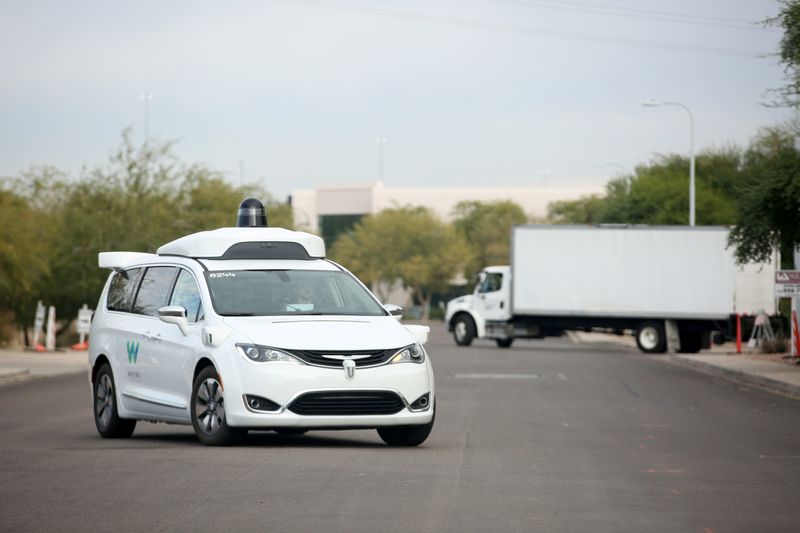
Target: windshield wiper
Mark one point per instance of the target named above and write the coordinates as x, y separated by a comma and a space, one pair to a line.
239, 314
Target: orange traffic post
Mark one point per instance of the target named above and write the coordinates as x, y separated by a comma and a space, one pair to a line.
738, 333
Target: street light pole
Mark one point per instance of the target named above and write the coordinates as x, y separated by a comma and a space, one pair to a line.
380, 141
653, 103
146, 97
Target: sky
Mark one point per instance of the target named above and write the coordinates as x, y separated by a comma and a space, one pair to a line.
465, 92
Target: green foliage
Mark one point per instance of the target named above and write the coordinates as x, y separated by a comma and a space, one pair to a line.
23, 255
788, 19
406, 243
768, 206
658, 193
486, 228
143, 197
586, 210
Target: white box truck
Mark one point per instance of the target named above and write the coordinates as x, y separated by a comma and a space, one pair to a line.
672, 285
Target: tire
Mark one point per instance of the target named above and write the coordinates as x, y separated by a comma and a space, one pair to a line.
106, 417
691, 341
407, 435
290, 431
504, 343
208, 411
463, 330
651, 338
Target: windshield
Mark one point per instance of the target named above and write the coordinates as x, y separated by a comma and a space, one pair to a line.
289, 292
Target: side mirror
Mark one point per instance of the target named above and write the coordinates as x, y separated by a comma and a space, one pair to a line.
394, 310
175, 314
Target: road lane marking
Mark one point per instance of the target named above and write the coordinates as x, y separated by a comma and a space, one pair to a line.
562, 377
497, 376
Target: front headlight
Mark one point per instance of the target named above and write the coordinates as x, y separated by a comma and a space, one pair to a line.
409, 354
265, 354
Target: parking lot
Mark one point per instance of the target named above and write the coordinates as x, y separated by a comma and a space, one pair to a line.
545, 436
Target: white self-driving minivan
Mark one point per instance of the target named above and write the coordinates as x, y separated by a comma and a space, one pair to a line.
251, 327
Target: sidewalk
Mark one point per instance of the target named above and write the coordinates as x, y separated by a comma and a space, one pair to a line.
753, 369
16, 366
771, 375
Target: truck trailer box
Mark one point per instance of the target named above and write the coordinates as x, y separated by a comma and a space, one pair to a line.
658, 272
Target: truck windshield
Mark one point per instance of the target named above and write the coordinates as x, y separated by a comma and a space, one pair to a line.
289, 292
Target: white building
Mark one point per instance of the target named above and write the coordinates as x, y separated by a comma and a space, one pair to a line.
331, 209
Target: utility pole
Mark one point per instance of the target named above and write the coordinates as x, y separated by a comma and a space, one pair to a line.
146, 97
653, 103
380, 141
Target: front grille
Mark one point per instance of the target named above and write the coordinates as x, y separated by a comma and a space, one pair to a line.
317, 357
333, 403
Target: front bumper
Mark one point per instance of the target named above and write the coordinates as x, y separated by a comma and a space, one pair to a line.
282, 383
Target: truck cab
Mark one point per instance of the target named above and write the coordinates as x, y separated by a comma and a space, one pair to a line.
484, 313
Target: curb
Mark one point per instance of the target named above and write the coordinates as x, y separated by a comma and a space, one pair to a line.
24, 376
15, 376
737, 377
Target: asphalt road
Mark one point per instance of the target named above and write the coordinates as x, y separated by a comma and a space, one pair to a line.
545, 436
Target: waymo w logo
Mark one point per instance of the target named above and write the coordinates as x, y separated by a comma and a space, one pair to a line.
133, 351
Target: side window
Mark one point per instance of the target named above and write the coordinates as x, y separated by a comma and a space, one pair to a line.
187, 296
154, 290
122, 290
492, 282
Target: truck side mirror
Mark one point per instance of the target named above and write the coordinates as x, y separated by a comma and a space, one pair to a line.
175, 314
394, 310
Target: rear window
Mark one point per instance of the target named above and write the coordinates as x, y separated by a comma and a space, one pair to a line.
122, 290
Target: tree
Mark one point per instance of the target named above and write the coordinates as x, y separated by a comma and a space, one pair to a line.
658, 193
788, 19
140, 199
768, 206
486, 228
408, 244
23, 256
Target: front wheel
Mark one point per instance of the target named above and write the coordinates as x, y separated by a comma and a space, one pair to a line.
208, 411
106, 416
651, 338
407, 435
463, 330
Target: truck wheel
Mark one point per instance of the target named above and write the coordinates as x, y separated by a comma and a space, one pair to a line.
651, 338
463, 330
504, 343
691, 342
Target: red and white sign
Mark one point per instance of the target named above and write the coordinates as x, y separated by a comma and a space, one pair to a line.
787, 283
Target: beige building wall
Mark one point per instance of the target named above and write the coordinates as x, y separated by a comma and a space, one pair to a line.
373, 197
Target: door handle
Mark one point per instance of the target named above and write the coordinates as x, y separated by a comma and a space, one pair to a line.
149, 337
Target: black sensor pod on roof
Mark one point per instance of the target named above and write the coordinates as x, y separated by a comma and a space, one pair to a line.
251, 214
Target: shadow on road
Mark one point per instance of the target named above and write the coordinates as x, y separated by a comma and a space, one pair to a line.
255, 439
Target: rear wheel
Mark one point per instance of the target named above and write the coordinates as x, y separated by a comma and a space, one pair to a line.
208, 411
651, 338
407, 435
504, 343
106, 416
691, 341
463, 330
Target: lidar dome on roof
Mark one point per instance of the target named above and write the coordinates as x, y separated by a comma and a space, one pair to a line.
214, 244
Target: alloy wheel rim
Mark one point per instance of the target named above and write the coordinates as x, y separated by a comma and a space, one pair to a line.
209, 406
104, 400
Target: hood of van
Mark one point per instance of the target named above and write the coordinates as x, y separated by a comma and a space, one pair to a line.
323, 332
